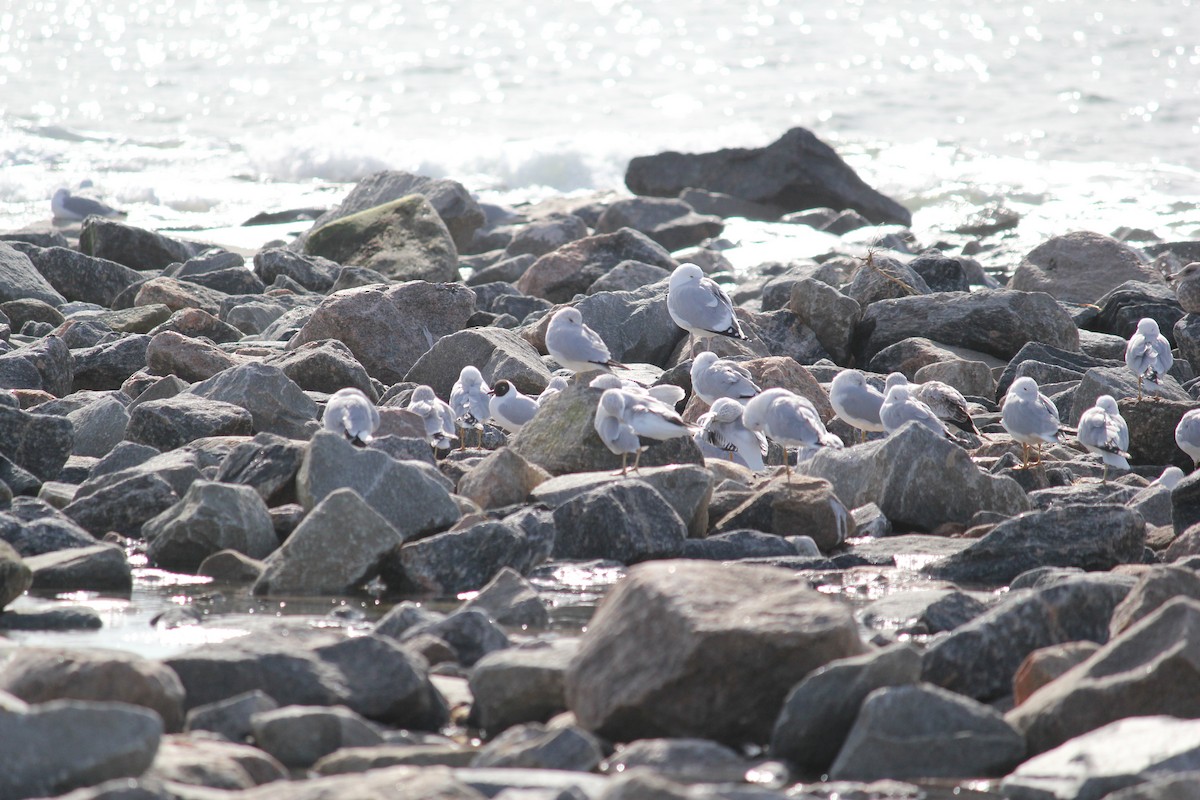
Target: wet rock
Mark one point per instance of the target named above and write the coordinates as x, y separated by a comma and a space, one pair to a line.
230, 717
563, 273
1092, 537
535, 746
510, 600
76, 618
628, 276
682, 760
167, 424
109, 364
470, 633
1081, 267
404, 239
806, 506
831, 315
99, 427
922, 731
211, 517
503, 478
199, 761
820, 710
1101, 762
994, 321
134, 247
299, 735
922, 612
20, 280
232, 567
1046, 664
389, 327
306, 565
276, 404
15, 575
463, 560
171, 353
795, 172
82, 278
915, 497
498, 353
672, 223
39, 443
980, 658
625, 521
98, 568
722, 665
62, 745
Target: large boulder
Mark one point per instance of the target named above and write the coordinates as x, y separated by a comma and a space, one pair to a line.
672, 223
81, 277
134, 247
211, 517
830, 314
1081, 267
327, 366
275, 403
405, 240
496, 352
939, 483
625, 521
729, 642
795, 172
40, 443
19, 280
805, 507
175, 421
389, 327
571, 269
464, 559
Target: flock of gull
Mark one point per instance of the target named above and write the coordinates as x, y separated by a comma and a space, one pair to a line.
742, 417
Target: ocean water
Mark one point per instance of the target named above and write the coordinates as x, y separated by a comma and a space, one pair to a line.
201, 113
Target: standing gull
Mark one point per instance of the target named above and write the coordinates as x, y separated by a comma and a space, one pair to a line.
900, 407
1030, 417
700, 306
722, 427
714, 378
437, 415
791, 420
1187, 435
1104, 434
350, 412
1148, 353
509, 407
614, 429
469, 401
65, 205
856, 402
576, 346
667, 393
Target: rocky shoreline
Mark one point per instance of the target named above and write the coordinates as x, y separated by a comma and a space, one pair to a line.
902, 618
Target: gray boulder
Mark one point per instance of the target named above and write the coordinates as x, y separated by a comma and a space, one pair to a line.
628, 276
1121, 383
520, 684
464, 559
134, 247
20, 280
97, 568
276, 404
510, 600
211, 517
39, 443
831, 315
99, 427
201, 761
299, 735
268, 463
172, 353
805, 506
175, 421
230, 718
1081, 267
32, 527
672, 223
82, 278
109, 364
326, 367
536, 746
540, 236
625, 521
52, 361
313, 273
879, 277
498, 354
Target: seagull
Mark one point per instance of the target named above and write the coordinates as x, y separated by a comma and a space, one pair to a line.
509, 407
576, 346
67, 206
1170, 478
556, 385
437, 415
1148, 353
714, 378
1187, 435
900, 407
1187, 287
1109, 404
667, 393
469, 402
943, 400
790, 420
856, 401
614, 429
1030, 417
1105, 434
722, 427
700, 306
352, 413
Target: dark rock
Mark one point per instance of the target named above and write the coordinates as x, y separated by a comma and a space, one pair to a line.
134, 247
1076, 363
167, 424
725, 205
831, 315
195, 322
471, 634
499, 354
230, 566
52, 360
15, 574
123, 504
109, 364
98, 568
23, 311
806, 506
19, 280
1122, 307
230, 717
510, 600
883, 278
571, 269
268, 464
326, 366
275, 403
626, 521
463, 560
941, 273
34, 528
540, 236
99, 427
299, 735
737, 544
211, 517
672, 223
313, 273
40, 443
535, 746
52, 619
922, 613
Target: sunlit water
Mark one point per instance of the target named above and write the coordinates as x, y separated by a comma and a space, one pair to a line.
204, 112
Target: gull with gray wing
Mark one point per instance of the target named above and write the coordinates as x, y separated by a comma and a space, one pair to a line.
713, 378
437, 416
469, 401
856, 402
700, 306
576, 346
1148, 353
1030, 417
790, 420
351, 413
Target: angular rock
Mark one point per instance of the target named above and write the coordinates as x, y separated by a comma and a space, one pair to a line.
276, 404
1081, 267
795, 172
831, 315
1121, 383
40, 443
503, 478
195, 323
510, 600
313, 273
211, 517
299, 735
230, 718
196, 761
535, 746
1091, 537
98, 568
268, 463
1157, 586
171, 423
806, 506
1121, 308
626, 521
326, 366
465, 559
109, 364
883, 278
52, 360
740, 544
571, 269
540, 236
177, 295
254, 317
134, 247
15, 575
497, 353
81, 277
171, 353
1047, 664
628, 276
915, 496
731, 641
922, 731
34, 528
672, 223
19, 280
922, 612
971, 378
99, 427
389, 327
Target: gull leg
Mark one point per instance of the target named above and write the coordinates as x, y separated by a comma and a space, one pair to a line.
1024, 456
637, 458
462, 437
1139, 397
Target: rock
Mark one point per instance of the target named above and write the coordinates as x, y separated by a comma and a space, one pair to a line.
994, 321
313, 273
459, 212
1157, 586
299, 735
1103, 761
410, 495
254, 317
34, 528
232, 567
797, 171
23, 311
305, 565
77, 618
922, 612
1081, 267
1092, 537
19, 280
134, 247
276, 404
167, 424
463, 560
499, 354
40, 443
371, 675
197, 761
508, 270
98, 568
535, 746
42, 674
672, 223
980, 658
722, 663
941, 273
99, 427
196, 323
404, 239
177, 295
914, 497
740, 544
326, 366
1152, 423
625, 521
231, 280
628, 276
510, 600
503, 478
971, 378
134, 320
53, 362
1153, 503
820, 710
540, 236
389, 327
230, 718
563, 273
1046, 664
1121, 383
922, 731
684, 760
15, 575
1121, 308
211, 517
470, 634
82, 278
806, 506
62, 745
831, 315
109, 364
882, 278
171, 353
561, 438
268, 464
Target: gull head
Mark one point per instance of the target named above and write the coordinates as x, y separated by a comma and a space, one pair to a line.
1108, 403
1147, 327
1189, 271
470, 376
501, 388
850, 377
898, 393
704, 360
895, 379
1026, 388
422, 394
685, 274
613, 402
570, 316
726, 409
